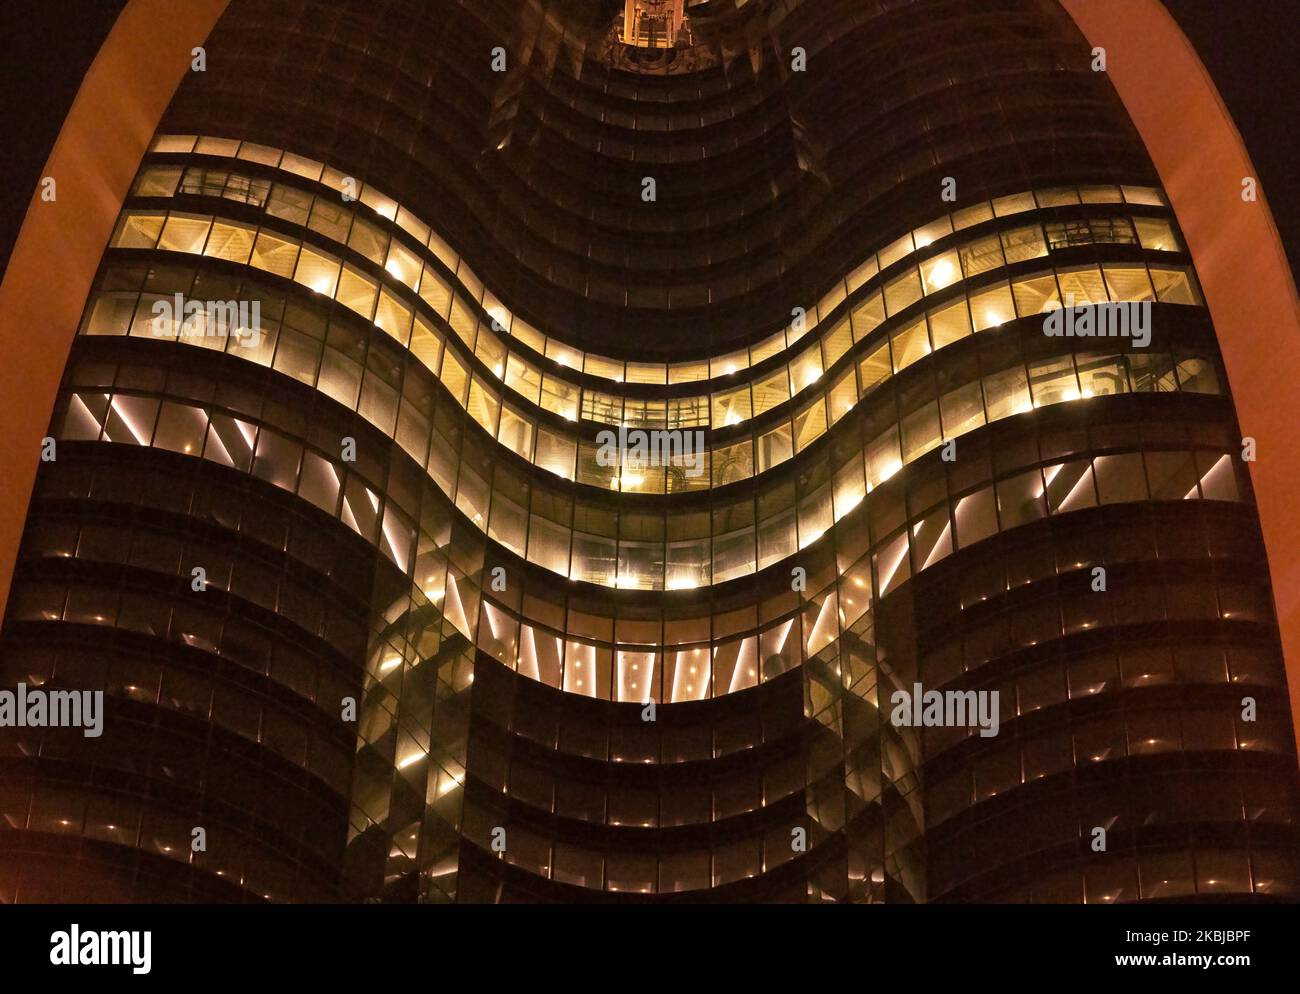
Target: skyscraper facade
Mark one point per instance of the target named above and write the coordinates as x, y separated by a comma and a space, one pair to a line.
543, 450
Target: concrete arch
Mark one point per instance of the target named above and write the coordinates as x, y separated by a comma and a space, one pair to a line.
1239, 257
112, 120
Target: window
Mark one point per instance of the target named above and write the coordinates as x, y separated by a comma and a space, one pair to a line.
1058, 197
1053, 381
1143, 195
868, 316
435, 292
932, 232
1100, 195
899, 249
157, 181
1157, 234
690, 372
109, 314
1128, 282
560, 397
393, 317
403, 265
318, 271
1023, 243
838, 342
810, 424
231, 241
975, 517
981, 255
275, 255
185, 232
910, 344
806, 369
921, 431
1014, 204
733, 463
733, 407
302, 166
137, 229
728, 364
369, 240
1120, 478
963, 410
289, 204
1020, 499
950, 323
1007, 393
969, 216
941, 271
247, 189
902, 291
1174, 285
774, 448
992, 307
330, 219
426, 345
181, 428
859, 276
357, 292
1198, 376
842, 395
1081, 285
1101, 375
875, 368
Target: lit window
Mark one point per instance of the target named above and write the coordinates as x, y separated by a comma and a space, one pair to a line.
895, 251
1036, 294
185, 232
1128, 282
393, 317
950, 324
868, 316
969, 216
1015, 204
1157, 234
1020, 244
275, 255
1175, 285
231, 241
1143, 195
157, 181
910, 344
318, 271
109, 314
874, 369
403, 265
941, 271
357, 292
733, 407
902, 291
137, 230
992, 307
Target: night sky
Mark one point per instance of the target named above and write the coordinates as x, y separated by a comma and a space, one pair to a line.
1250, 47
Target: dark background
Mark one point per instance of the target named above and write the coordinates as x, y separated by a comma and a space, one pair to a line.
1250, 47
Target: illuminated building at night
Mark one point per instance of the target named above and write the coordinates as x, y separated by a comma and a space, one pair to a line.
370, 607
